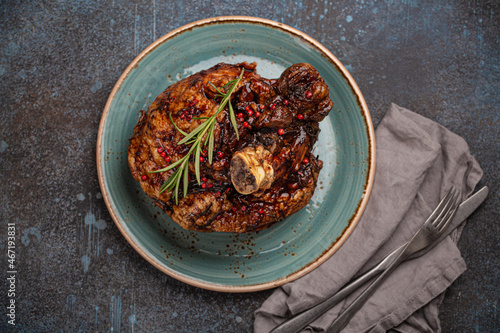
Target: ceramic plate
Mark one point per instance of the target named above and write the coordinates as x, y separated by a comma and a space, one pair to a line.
239, 262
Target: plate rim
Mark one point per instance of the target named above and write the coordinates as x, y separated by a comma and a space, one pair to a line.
354, 218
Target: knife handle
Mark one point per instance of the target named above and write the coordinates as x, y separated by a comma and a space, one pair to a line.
298, 322
301, 320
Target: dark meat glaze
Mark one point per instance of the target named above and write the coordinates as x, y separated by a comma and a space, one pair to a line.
294, 103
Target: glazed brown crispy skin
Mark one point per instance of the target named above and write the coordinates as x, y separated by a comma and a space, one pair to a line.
218, 206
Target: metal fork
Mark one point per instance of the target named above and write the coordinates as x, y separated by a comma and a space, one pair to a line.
426, 235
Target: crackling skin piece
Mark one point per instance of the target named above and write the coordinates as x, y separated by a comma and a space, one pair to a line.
271, 163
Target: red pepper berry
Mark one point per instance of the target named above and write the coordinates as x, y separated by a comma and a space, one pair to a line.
243, 208
204, 153
203, 179
163, 154
183, 116
257, 114
160, 149
234, 209
281, 131
245, 124
309, 94
305, 161
210, 185
240, 115
218, 193
220, 154
247, 108
285, 102
204, 185
167, 159
201, 159
300, 116
261, 211
144, 177
228, 190
273, 106
261, 107
250, 113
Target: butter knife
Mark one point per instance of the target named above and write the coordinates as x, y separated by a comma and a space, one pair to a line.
301, 320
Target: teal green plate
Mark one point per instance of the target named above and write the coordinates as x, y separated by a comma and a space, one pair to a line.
239, 262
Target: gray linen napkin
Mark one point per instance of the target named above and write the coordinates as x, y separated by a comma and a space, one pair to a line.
417, 162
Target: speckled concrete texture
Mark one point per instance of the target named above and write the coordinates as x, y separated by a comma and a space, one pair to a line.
59, 60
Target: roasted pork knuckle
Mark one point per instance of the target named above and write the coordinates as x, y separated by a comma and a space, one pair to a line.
258, 177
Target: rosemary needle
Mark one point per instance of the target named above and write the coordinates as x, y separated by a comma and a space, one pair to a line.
194, 138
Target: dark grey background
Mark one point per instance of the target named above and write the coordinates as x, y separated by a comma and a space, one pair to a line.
59, 60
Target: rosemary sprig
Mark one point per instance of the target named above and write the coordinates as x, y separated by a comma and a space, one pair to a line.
194, 138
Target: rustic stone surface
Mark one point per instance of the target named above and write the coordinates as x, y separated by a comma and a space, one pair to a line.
59, 61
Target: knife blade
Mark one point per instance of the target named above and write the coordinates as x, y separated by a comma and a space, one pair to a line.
301, 320
464, 210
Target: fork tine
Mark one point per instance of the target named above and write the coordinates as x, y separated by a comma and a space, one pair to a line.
423, 238
444, 206
440, 207
450, 212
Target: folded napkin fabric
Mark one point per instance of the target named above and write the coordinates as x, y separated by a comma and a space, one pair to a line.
418, 160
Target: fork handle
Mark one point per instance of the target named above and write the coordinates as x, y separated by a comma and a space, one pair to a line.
296, 323
351, 310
